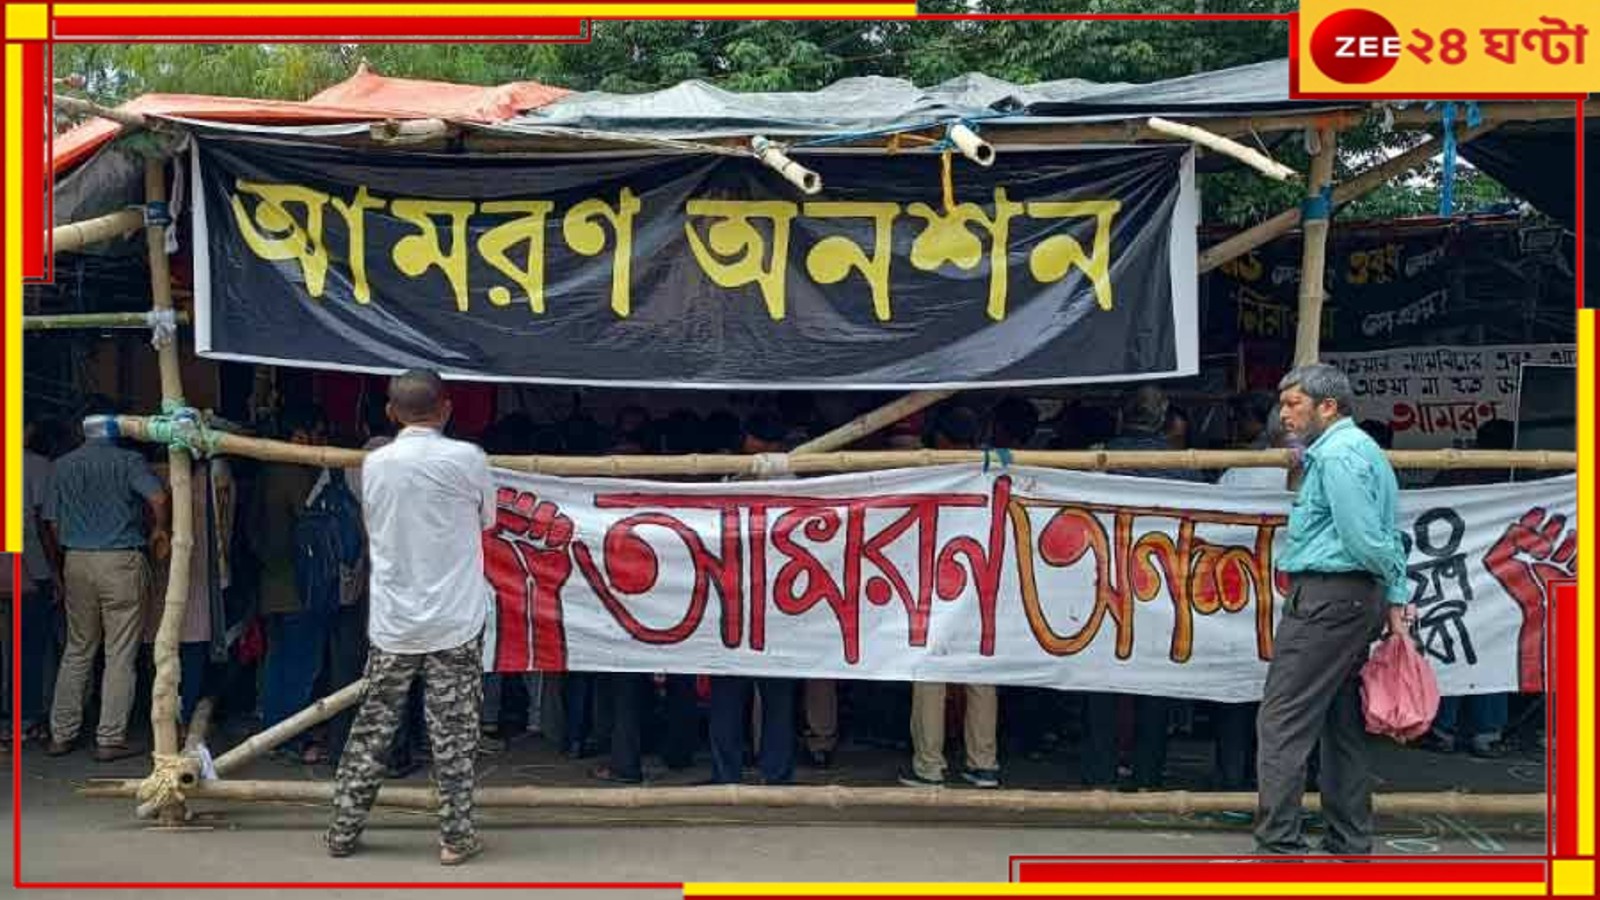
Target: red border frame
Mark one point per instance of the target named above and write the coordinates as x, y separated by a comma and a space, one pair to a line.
1564, 719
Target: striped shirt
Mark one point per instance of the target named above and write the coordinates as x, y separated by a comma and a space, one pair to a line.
97, 497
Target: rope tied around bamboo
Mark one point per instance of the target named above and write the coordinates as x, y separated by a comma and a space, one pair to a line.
167, 784
180, 427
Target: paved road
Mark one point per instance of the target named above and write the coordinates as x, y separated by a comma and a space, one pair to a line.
66, 838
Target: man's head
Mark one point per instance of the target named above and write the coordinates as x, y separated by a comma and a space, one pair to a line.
302, 425
419, 398
1146, 411
763, 433
1311, 398
955, 428
1014, 421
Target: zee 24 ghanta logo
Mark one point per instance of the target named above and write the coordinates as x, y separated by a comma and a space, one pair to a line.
1359, 46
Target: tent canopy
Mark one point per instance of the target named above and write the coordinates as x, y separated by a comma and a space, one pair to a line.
695, 109
363, 97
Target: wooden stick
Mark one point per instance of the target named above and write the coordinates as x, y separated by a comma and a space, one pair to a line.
872, 422
1251, 157
136, 428
1359, 186
318, 712
92, 321
77, 235
121, 117
415, 131
843, 797
164, 692
1314, 257
199, 724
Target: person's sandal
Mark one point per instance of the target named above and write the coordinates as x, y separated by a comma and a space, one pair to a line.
455, 856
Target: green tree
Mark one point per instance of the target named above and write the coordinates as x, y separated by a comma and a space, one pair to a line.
638, 56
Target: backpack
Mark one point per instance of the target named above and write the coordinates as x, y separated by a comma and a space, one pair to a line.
327, 541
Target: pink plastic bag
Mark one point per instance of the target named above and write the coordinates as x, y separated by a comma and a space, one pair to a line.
1399, 692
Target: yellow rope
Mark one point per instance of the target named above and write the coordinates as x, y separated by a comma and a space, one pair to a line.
949, 184
162, 789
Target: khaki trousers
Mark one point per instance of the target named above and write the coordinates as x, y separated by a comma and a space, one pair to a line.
104, 603
927, 728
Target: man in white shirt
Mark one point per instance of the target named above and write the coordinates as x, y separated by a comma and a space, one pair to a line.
426, 500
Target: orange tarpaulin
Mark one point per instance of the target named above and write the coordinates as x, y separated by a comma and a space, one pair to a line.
363, 97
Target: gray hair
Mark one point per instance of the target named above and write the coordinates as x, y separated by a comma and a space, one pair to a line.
1320, 382
1146, 410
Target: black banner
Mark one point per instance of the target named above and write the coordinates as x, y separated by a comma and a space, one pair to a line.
691, 270
1470, 283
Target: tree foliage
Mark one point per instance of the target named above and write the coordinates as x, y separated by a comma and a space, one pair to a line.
801, 56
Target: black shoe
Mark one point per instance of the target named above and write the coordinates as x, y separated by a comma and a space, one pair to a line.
820, 759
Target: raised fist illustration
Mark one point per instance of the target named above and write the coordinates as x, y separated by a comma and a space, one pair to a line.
529, 562
1535, 550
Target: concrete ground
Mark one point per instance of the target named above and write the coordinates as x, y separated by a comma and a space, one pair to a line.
67, 838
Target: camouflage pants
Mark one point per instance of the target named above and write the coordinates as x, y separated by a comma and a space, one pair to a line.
453, 693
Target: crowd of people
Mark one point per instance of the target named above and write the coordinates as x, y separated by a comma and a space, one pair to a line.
281, 609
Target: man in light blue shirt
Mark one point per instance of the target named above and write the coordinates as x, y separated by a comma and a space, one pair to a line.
1347, 569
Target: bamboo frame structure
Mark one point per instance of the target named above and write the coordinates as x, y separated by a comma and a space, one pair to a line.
262, 743
1228, 147
77, 235
1314, 259
120, 116
812, 463
164, 694
842, 797
1344, 192
78, 321
872, 422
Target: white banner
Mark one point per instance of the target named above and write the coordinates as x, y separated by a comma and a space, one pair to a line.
1438, 396
1015, 576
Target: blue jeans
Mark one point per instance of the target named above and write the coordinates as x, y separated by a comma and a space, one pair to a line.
38, 614
730, 703
295, 646
193, 659
1486, 712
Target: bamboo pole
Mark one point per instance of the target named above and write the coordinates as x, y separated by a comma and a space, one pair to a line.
1250, 156
318, 712
137, 428
872, 422
199, 724
1359, 186
164, 692
843, 797
77, 235
92, 321
416, 131
1314, 258
121, 117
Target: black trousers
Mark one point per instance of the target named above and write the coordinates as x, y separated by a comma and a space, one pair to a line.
1313, 692
1150, 717
630, 694
730, 701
